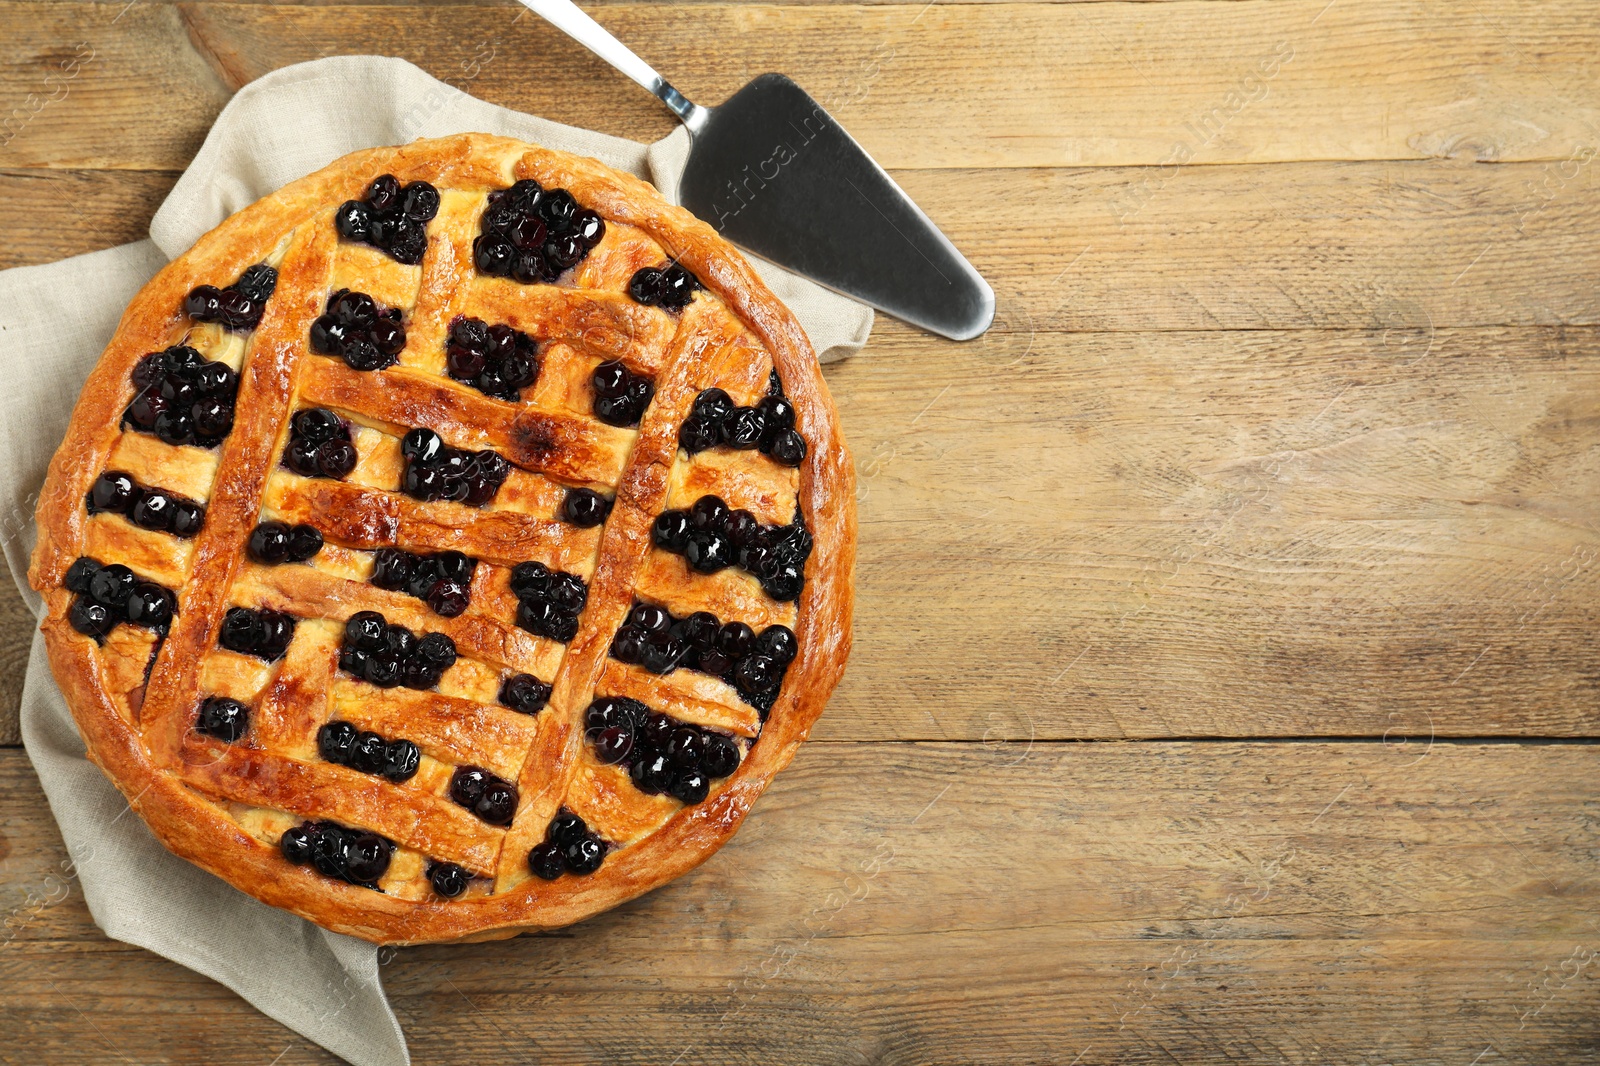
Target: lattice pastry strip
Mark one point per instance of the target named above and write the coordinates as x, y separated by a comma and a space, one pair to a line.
415, 708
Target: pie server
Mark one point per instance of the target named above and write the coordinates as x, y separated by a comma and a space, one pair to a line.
773, 172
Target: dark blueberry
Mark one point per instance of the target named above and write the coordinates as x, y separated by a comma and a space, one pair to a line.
269, 543
707, 551
493, 255
384, 193
216, 379
697, 434
328, 335
648, 618
778, 644
409, 243
470, 333
656, 729
563, 250
743, 428
416, 674
425, 573
334, 741
277, 629
528, 233
713, 405
467, 783
149, 605
304, 542
689, 786
366, 857
613, 745
777, 412
388, 337
436, 649
497, 804
366, 630
661, 657
525, 693
212, 419
741, 526
401, 759
584, 856
353, 220
382, 671
757, 673
529, 267
671, 530
204, 303
456, 566
525, 194
568, 592
181, 356
153, 510
174, 426
709, 512
448, 879
464, 364
151, 370
589, 227
258, 282
714, 662
677, 287
400, 643
610, 379
79, 575
422, 446
364, 355
420, 202
238, 310
585, 508
686, 746
566, 827
646, 286
241, 630
546, 861
448, 598
353, 661
318, 424
721, 756
295, 843
557, 207
179, 391
699, 630
518, 371
562, 626
112, 491
327, 850
336, 458
392, 568
111, 586
788, 447
223, 718
90, 618
652, 774
612, 712
784, 583
530, 580
146, 408
628, 645
621, 412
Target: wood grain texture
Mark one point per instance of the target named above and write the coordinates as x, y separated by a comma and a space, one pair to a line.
922, 86
1113, 903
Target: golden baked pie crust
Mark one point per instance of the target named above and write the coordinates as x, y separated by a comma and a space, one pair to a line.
201, 796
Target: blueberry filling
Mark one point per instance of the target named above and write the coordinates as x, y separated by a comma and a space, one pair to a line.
569, 847
670, 287
386, 654
525, 693
584, 508
751, 662
106, 595
489, 797
352, 855
496, 360
661, 754
183, 397
157, 510
448, 879
548, 601
620, 395
343, 744
222, 718
436, 471
264, 633
392, 218
357, 330
272, 543
443, 580
237, 307
769, 425
319, 445
531, 233
711, 537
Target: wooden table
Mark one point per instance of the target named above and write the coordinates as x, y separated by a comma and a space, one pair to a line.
1225, 667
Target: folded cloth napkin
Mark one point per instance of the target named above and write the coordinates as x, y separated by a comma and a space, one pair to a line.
54, 322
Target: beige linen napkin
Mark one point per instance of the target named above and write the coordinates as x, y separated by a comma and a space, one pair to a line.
54, 321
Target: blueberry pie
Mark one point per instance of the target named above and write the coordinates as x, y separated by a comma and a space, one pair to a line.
451, 544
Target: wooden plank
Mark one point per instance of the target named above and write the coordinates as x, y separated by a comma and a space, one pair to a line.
1366, 245
1105, 903
1048, 84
